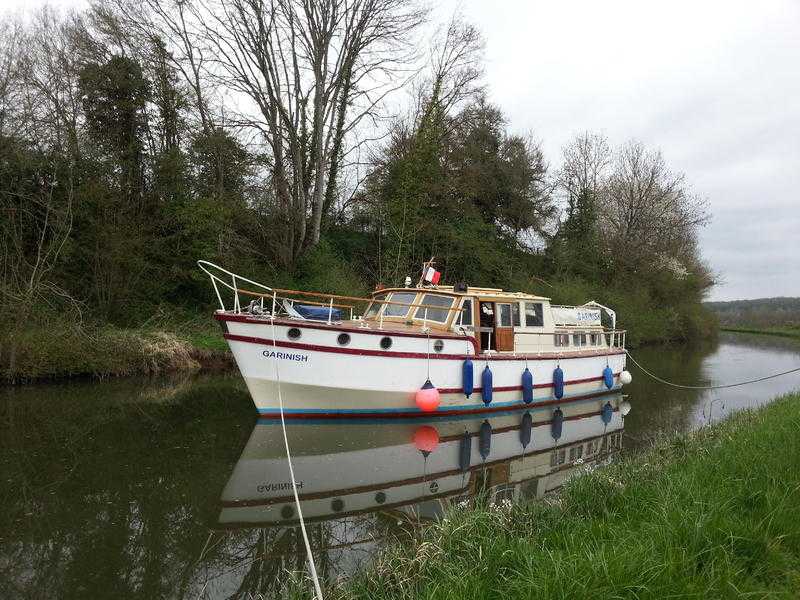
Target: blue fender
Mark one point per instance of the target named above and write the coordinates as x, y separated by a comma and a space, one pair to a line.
468, 381
608, 377
527, 386
558, 383
486, 385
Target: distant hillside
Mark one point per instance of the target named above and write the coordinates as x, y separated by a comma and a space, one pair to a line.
761, 312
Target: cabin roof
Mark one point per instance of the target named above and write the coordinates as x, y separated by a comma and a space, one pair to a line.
480, 292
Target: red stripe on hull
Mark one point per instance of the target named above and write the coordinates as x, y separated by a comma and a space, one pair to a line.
364, 352
382, 332
518, 388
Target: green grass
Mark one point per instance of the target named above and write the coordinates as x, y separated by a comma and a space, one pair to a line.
714, 514
208, 341
783, 331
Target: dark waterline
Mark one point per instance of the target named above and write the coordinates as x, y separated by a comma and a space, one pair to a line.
170, 488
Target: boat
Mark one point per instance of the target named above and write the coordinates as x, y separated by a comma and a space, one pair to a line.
414, 350
360, 466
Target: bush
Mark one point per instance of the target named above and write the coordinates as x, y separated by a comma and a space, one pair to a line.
68, 350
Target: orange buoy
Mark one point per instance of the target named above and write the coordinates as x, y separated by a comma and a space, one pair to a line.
426, 438
427, 397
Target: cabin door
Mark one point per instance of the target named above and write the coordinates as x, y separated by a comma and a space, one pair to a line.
486, 326
503, 327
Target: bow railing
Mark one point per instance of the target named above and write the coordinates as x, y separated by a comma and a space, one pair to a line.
277, 296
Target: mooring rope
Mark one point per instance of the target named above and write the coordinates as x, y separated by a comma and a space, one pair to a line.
709, 387
311, 565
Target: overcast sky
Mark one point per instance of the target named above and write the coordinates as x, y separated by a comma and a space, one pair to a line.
715, 85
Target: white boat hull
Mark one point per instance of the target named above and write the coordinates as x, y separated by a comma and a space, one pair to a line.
314, 375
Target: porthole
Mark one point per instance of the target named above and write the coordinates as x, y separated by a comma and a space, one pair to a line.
438, 345
386, 343
287, 512
337, 505
343, 339
380, 497
293, 333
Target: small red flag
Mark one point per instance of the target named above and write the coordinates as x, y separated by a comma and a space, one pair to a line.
432, 275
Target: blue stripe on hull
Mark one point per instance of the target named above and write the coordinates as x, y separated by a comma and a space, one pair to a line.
413, 411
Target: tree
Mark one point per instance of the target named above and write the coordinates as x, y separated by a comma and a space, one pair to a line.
502, 175
312, 71
38, 149
648, 215
576, 246
453, 182
586, 160
113, 97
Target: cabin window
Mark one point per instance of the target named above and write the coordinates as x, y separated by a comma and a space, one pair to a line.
466, 312
375, 306
534, 315
515, 314
434, 314
399, 310
561, 339
504, 311
579, 339
553, 458
594, 339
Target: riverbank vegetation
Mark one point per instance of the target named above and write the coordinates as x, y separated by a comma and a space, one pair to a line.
785, 331
715, 513
313, 149
773, 316
57, 349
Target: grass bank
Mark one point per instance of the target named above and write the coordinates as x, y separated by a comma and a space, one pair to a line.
783, 331
58, 350
714, 514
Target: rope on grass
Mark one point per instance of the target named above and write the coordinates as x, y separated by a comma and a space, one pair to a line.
710, 387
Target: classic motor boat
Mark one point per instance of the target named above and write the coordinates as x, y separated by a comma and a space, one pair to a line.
420, 350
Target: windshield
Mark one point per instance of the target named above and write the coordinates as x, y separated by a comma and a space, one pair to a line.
374, 307
396, 310
425, 312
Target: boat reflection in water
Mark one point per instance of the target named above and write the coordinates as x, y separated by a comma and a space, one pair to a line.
362, 481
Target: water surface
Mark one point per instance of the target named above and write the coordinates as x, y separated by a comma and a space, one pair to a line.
171, 488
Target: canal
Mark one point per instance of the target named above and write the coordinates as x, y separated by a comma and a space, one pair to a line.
171, 488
